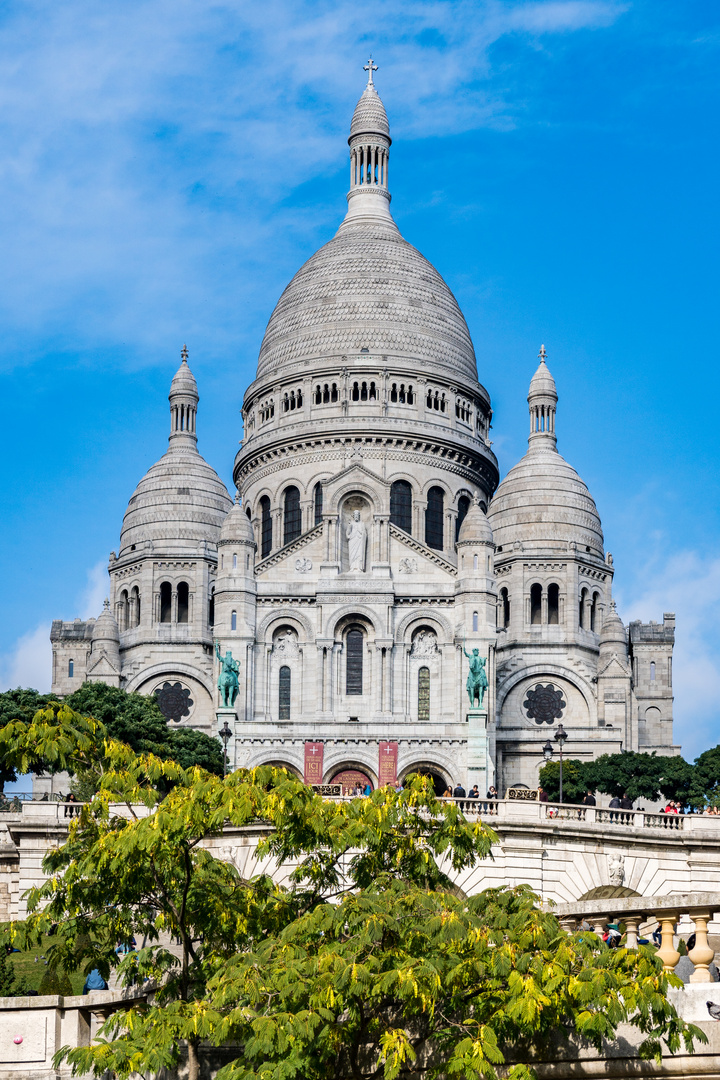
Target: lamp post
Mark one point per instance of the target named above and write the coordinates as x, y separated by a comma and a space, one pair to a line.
560, 737
226, 735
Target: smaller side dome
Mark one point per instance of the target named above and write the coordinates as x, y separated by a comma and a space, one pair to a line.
613, 638
475, 529
236, 528
184, 380
106, 627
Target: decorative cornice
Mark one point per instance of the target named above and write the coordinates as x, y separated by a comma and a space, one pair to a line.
294, 545
421, 549
588, 571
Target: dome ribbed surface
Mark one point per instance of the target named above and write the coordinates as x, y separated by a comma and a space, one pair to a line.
542, 382
368, 288
543, 499
184, 381
475, 527
237, 527
106, 627
180, 500
613, 632
370, 117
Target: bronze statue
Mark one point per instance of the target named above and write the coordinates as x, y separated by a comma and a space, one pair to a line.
229, 681
477, 682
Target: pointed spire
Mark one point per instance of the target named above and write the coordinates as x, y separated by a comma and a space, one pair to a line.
183, 400
542, 400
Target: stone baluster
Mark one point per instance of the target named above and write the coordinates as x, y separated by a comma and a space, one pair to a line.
702, 955
667, 951
631, 931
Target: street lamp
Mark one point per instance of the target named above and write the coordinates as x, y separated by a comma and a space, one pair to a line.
548, 751
226, 735
560, 737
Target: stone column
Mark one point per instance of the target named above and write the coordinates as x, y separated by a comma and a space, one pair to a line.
174, 615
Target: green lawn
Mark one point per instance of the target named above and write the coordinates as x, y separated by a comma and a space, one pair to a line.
24, 965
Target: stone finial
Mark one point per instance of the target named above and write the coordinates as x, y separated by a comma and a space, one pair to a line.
106, 604
542, 355
184, 354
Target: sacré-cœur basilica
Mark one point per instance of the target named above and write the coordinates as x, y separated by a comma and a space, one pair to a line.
370, 549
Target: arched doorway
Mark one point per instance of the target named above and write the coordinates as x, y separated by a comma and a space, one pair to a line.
439, 782
350, 778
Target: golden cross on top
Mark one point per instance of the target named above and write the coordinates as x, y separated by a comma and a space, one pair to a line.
542, 354
184, 353
370, 67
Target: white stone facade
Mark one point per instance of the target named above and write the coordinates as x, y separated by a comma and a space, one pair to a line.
369, 547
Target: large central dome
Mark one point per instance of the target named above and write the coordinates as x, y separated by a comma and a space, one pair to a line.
368, 290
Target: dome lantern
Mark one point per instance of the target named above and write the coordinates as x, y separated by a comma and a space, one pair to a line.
369, 141
183, 398
542, 400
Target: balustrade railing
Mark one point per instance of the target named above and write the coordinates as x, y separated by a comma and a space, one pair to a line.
639, 915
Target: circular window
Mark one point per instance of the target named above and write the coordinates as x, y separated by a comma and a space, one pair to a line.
543, 704
173, 700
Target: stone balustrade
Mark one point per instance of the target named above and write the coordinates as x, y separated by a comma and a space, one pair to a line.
641, 913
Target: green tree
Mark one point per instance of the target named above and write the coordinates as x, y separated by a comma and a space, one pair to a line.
136, 719
7, 975
705, 780
642, 776
18, 704
363, 961
574, 784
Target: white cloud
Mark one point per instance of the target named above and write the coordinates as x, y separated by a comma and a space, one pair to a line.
96, 590
689, 585
148, 145
29, 664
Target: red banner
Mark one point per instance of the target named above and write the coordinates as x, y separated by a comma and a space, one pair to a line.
387, 766
313, 762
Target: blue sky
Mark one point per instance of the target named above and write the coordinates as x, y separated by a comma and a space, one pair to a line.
166, 168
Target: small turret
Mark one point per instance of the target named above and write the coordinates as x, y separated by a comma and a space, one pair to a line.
104, 660
613, 637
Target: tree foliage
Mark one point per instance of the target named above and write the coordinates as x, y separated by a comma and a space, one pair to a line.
134, 719
363, 959
574, 783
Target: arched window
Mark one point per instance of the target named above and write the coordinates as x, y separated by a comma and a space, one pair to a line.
233, 620
594, 611
292, 519
401, 505
71, 669
123, 621
424, 694
652, 671
135, 605
581, 609
165, 602
183, 602
434, 515
463, 507
265, 527
504, 608
553, 604
354, 662
248, 511
535, 604
318, 501
234, 561
284, 693
476, 622
211, 608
